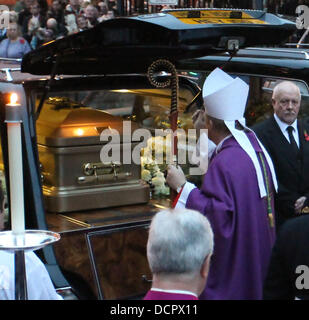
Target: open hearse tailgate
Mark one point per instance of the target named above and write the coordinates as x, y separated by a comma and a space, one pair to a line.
126, 45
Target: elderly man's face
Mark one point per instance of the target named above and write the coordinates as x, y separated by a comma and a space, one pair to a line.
286, 103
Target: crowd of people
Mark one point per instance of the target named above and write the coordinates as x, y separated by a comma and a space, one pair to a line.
35, 22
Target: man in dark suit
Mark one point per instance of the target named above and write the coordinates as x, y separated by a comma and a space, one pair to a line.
286, 139
288, 273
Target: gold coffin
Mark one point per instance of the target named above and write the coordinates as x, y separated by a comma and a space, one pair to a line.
73, 176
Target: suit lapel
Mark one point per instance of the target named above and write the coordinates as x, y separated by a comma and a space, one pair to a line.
304, 144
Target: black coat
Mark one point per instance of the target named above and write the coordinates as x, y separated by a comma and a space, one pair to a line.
292, 171
289, 252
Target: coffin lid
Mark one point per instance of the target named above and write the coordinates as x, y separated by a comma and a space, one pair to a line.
130, 44
78, 127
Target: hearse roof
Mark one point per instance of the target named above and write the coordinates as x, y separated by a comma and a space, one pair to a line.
128, 45
276, 62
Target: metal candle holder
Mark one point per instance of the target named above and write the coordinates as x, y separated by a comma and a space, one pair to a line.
19, 240
18, 244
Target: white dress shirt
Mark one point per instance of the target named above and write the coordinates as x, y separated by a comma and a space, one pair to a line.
39, 284
283, 127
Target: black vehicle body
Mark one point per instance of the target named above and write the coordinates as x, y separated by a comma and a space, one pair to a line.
262, 68
276, 62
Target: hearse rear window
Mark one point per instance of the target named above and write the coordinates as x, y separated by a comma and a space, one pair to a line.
259, 105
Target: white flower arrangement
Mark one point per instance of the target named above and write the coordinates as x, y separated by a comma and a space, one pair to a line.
151, 171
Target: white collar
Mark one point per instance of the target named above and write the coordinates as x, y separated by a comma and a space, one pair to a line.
283, 126
245, 143
219, 146
175, 291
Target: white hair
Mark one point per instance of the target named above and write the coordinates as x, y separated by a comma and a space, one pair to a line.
179, 241
282, 86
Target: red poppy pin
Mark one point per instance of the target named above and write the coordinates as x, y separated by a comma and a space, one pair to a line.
22, 41
306, 135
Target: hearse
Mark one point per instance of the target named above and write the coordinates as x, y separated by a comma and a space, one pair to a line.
83, 99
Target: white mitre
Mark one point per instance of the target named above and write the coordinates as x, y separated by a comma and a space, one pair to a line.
225, 98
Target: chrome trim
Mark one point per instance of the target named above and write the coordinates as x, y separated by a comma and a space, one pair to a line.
10, 59
8, 71
279, 50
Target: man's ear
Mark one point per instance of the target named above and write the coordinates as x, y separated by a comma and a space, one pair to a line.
209, 123
205, 267
273, 101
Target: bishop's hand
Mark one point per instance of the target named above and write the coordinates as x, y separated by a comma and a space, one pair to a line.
299, 203
175, 177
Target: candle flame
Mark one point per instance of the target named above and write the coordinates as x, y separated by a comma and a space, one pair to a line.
13, 98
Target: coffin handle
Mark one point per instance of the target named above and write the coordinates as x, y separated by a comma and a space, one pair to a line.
104, 178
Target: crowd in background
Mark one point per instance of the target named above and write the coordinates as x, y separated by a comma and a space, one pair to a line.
34, 22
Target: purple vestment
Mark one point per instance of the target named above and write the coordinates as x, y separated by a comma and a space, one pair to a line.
243, 239
160, 295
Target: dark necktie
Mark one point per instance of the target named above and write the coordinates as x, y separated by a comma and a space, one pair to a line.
292, 140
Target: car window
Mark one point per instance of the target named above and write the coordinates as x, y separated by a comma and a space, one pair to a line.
271, 83
149, 108
259, 105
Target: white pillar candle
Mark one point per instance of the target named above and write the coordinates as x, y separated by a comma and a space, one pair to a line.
17, 211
